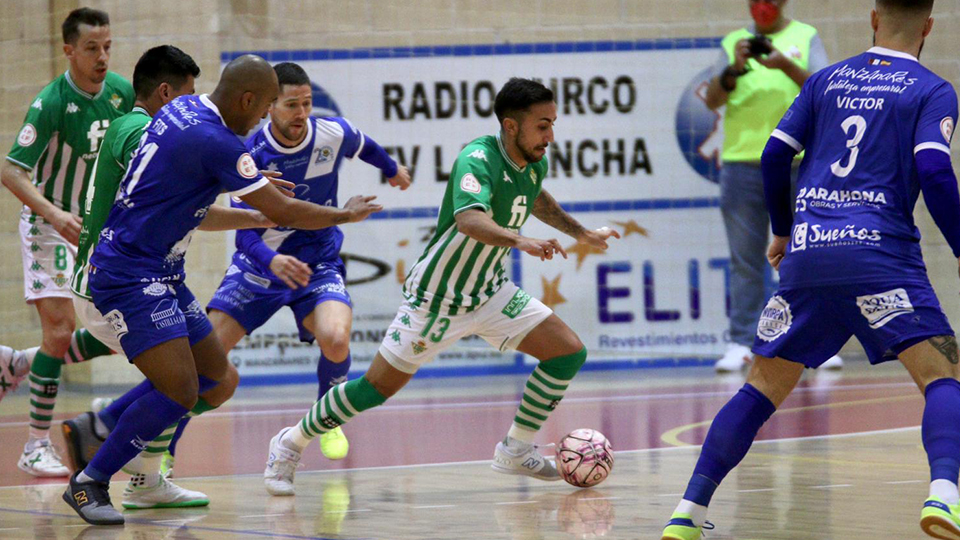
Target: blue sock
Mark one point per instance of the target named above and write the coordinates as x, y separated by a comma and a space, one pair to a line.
941, 429
206, 383
143, 421
112, 413
177, 434
728, 440
330, 374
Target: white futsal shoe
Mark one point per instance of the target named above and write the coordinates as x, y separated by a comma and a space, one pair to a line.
165, 494
834, 362
42, 460
282, 464
14, 367
736, 357
525, 462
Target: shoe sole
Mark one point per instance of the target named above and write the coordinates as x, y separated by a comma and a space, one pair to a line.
940, 527
515, 472
67, 499
38, 474
187, 504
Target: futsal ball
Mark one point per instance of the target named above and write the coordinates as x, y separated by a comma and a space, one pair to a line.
584, 458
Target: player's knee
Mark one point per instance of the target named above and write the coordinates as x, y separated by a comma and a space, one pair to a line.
335, 344
184, 391
56, 337
224, 391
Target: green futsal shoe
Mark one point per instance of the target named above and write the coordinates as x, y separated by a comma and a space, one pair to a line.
940, 520
681, 527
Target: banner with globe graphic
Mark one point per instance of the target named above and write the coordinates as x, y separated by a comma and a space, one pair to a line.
636, 149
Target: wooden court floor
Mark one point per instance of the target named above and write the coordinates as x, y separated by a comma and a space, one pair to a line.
842, 459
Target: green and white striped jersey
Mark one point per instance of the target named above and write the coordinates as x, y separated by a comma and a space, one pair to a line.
457, 274
61, 135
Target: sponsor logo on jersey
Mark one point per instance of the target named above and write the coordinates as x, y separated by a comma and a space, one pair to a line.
247, 167
38, 104
194, 310
166, 314
324, 154
27, 135
395, 336
233, 269
116, 101
72, 108
202, 212
60, 280
478, 154
470, 184
818, 236
419, 347
946, 128
506, 178
157, 289
257, 280
38, 285
775, 319
116, 322
331, 288
837, 198
516, 304
881, 308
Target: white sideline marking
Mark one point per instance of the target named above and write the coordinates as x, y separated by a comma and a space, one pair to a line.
435, 506
831, 486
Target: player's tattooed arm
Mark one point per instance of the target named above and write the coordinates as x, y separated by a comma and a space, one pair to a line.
548, 210
946, 346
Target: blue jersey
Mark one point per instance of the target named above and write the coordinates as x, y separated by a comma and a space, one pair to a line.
187, 157
860, 122
313, 166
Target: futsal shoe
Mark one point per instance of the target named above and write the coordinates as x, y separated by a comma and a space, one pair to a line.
14, 367
834, 362
334, 444
735, 359
526, 462
282, 464
91, 501
681, 527
940, 520
82, 440
42, 460
165, 494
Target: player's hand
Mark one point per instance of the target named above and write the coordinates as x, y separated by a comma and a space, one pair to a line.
284, 186
597, 238
541, 248
360, 207
402, 179
741, 53
68, 225
291, 271
777, 251
774, 60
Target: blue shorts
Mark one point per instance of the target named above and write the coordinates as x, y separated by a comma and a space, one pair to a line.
810, 325
252, 299
144, 314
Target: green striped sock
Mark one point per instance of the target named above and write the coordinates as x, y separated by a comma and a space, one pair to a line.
44, 384
83, 347
340, 404
545, 388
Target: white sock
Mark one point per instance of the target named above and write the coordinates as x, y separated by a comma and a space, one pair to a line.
33, 443
521, 435
294, 439
697, 512
945, 490
516, 445
83, 478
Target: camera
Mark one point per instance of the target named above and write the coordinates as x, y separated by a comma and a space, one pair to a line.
760, 45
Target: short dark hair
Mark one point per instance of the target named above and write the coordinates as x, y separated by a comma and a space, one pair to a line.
163, 64
84, 15
290, 73
518, 95
907, 5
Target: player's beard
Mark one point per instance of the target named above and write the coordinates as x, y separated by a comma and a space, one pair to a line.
528, 155
297, 137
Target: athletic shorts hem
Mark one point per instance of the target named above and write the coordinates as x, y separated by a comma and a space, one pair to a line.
144, 346
511, 344
397, 362
896, 348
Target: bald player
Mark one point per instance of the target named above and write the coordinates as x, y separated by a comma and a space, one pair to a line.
190, 154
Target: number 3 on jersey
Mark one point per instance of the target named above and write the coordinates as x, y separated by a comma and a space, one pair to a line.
859, 126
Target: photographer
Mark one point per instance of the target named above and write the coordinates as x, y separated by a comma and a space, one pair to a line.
759, 73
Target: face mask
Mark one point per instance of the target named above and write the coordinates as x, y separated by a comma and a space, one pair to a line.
765, 14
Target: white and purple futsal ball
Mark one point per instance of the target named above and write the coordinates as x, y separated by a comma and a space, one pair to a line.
584, 458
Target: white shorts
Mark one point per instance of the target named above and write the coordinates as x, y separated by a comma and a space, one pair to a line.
47, 261
417, 336
95, 323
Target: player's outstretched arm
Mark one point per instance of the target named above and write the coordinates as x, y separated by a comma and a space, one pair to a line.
288, 212
17, 180
476, 224
220, 218
549, 211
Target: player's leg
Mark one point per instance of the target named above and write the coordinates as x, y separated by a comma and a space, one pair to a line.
331, 322
933, 366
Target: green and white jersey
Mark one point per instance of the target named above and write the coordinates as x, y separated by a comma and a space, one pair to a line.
61, 135
457, 274
119, 143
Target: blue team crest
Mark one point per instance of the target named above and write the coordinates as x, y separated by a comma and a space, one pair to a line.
323, 103
700, 130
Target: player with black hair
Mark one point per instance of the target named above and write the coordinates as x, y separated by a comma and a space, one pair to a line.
459, 287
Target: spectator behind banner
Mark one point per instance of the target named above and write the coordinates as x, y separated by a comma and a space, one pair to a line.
760, 71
